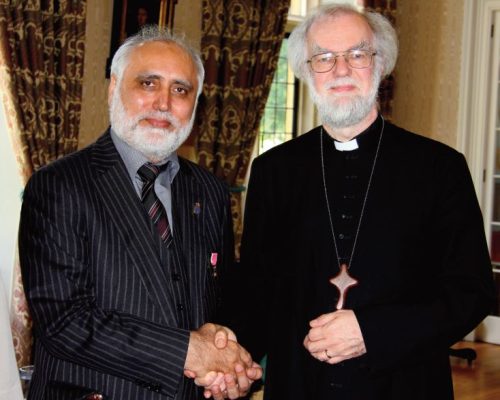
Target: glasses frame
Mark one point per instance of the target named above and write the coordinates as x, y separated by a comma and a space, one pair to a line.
370, 53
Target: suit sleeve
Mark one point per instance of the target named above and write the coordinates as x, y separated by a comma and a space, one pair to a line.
459, 290
54, 243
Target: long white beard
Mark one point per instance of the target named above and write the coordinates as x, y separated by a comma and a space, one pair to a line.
337, 111
154, 143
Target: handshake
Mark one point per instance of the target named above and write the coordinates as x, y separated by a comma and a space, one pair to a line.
217, 362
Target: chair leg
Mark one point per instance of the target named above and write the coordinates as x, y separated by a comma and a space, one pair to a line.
466, 353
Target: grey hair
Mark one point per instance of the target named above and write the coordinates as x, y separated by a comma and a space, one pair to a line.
153, 33
385, 38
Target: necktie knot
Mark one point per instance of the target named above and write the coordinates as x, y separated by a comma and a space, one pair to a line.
149, 172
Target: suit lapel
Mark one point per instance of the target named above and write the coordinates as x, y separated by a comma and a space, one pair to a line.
126, 213
189, 203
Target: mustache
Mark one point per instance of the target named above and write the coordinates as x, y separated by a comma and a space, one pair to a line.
159, 115
341, 82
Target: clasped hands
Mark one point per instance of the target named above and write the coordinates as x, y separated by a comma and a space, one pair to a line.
335, 337
226, 370
217, 362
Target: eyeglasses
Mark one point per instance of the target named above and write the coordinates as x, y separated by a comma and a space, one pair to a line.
325, 62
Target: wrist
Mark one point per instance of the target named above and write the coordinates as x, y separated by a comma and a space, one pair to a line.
192, 361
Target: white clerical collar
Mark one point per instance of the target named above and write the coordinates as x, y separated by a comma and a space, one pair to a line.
346, 146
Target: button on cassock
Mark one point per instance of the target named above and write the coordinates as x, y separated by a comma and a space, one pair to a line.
176, 277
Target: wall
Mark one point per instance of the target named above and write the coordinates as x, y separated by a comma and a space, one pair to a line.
10, 206
428, 69
94, 119
187, 19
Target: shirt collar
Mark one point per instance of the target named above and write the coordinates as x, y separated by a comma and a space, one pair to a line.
134, 159
347, 146
364, 140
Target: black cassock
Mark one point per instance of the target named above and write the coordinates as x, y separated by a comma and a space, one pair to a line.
421, 260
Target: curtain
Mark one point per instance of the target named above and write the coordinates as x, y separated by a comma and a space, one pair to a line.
41, 66
386, 91
240, 45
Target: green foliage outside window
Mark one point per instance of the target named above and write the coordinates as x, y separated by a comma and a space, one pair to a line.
277, 124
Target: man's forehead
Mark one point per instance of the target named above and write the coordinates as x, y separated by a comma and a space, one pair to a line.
349, 30
160, 58
159, 48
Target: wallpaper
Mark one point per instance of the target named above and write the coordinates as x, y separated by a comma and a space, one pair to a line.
94, 119
428, 68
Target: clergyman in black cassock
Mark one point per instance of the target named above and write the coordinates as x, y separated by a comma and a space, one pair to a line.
399, 210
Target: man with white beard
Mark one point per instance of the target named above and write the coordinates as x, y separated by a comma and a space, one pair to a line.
124, 245
364, 241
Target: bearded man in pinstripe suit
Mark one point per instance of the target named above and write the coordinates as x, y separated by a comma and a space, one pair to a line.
118, 312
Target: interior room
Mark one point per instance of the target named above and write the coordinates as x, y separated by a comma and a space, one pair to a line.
445, 86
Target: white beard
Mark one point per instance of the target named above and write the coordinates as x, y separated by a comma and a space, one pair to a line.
155, 144
338, 111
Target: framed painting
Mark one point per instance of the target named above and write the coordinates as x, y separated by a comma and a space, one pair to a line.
129, 16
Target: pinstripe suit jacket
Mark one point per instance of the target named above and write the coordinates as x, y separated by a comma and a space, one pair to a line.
104, 306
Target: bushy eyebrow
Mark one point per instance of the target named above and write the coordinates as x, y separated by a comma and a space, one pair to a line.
363, 45
152, 77
183, 82
360, 46
148, 77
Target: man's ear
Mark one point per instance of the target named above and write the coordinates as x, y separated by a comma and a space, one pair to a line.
111, 88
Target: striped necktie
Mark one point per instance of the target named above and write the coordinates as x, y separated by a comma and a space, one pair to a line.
148, 174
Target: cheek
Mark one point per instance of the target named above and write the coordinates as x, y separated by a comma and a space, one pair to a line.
184, 110
135, 104
319, 82
367, 80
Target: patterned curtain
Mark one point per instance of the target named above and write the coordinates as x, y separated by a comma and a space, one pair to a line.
240, 45
386, 91
41, 66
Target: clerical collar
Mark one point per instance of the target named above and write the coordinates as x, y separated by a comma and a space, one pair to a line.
346, 146
367, 138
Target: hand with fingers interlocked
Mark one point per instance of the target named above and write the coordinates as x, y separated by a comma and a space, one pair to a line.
335, 337
218, 363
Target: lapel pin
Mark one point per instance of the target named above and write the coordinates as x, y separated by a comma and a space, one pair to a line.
213, 263
196, 208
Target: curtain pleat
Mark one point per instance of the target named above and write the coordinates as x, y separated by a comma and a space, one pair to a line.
240, 45
42, 44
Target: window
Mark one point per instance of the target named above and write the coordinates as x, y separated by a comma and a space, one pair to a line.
285, 115
279, 122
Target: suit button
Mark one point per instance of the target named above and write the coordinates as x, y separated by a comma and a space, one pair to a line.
180, 307
156, 388
176, 277
341, 236
334, 385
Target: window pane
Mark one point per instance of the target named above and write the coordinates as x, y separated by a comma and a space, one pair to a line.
278, 122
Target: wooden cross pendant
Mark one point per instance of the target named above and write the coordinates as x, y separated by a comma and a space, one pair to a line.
343, 281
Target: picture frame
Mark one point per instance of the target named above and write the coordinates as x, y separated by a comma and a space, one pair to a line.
130, 15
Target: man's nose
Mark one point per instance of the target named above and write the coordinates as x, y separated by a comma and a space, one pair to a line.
342, 67
162, 101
